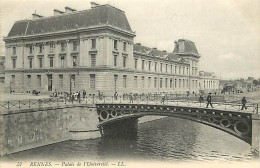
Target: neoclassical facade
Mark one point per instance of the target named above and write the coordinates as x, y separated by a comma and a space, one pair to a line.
93, 50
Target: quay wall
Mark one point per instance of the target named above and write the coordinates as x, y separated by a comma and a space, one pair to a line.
30, 128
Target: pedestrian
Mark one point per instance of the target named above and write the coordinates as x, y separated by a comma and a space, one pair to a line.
163, 98
201, 99
209, 101
243, 103
78, 96
84, 94
115, 96
131, 98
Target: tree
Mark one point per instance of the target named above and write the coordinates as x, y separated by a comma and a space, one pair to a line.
256, 82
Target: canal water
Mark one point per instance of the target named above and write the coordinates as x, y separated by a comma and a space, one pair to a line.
167, 139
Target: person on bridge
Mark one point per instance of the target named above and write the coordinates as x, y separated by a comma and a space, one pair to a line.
163, 98
209, 101
243, 103
131, 98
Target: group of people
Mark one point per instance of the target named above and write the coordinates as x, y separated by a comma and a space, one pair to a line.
209, 101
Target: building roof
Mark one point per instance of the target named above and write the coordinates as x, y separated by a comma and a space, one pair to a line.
97, 16
184, 46
154, 52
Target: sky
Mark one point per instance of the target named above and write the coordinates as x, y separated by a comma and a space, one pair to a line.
226, 32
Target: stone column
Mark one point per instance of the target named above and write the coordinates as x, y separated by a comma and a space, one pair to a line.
255, 133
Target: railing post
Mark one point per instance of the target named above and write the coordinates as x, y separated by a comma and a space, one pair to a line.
257, 108
8, 105
29, 103
104, 99
225, 104
93, 101
65, 100
120, 99
19, 104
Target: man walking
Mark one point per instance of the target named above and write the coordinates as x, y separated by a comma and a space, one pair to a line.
209, 101
243, 103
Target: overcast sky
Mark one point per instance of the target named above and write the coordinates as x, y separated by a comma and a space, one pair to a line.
226, 32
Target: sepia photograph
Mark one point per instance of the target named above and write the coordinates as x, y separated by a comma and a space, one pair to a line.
140, 83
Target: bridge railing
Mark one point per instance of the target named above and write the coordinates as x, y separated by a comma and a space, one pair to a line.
251, 107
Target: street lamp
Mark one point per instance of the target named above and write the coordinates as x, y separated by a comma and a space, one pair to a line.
70, 83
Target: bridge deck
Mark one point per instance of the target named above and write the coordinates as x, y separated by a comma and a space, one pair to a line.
52, 102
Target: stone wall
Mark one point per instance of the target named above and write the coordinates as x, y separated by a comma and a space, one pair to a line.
26, 129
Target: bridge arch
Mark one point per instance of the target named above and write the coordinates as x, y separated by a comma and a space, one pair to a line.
234, 123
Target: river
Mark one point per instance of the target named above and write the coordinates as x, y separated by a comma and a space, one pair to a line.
166, 139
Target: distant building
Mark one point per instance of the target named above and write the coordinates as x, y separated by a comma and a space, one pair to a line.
209, 82
94, 50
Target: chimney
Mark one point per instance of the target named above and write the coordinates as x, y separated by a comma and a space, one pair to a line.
57, 12
138, 43
69, 10
94, 4
36, 16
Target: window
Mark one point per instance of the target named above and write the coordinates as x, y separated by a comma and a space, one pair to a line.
92, 81
155, 82
30, 62
39, 80
30, 49
187, 71
62, 47
135, 63
149, 65
155, 66
166, 82
40, 62
192, 83
124, 47
115, 79
160, 82
161, 67
196, 83
183, 71
124, 61
149, 82
115, 60
179, 69
171, 69
183, 83
175, 83
142, 81
187, 83
13, 80
142, 64
192, 70
73, 80
93, 60
14, 63
75, 60
124, 81
170, 83
14, 50
179, 83
29, 80
51, 47
40, 48
166, 68
75, 46
51, 61
61, 81
93, 43
62, 61
115, 44
135, 82
175, 69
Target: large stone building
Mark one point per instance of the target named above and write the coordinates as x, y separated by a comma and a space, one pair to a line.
94, 50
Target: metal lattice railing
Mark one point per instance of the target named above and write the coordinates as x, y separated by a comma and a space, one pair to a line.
230, 105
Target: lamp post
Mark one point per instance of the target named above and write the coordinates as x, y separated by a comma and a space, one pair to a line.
70, 83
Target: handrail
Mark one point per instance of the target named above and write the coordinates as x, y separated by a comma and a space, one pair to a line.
154, 99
